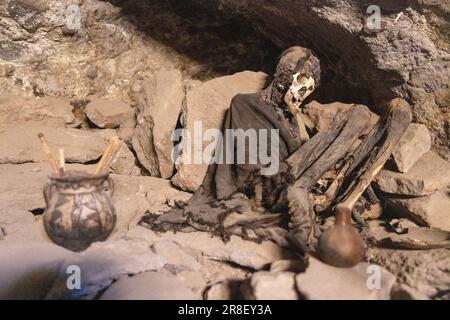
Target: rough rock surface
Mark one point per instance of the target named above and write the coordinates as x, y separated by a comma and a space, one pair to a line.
21, 186
426, 271
237, 251
266, 285
21, 225
133, 196
148, 286
108, 114
429, 173
323, 282
125, 162
20, 144
409, 56
205, 109
28, 271
175, 255
415, 142
51, 110
101, 264
429, 211
159, 106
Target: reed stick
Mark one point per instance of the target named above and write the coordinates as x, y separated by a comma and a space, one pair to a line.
48, 152
108, 156
62, 162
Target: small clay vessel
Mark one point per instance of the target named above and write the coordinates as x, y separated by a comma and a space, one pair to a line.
79, 209
341, 245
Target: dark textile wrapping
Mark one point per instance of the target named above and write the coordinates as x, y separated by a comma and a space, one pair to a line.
223, 203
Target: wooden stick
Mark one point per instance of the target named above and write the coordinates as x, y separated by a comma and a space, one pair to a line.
49, 154
62, 162
108, 155
114, 153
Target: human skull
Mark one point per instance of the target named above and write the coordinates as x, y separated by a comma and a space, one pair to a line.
302, 86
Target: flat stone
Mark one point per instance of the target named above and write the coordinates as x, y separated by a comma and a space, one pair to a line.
362, 282
160, 106
49, 110
414, 143
39, 270
28, 269
148, 286
207, 103
175, 255
108, 114
266, 285
429, 211
237, 251
21, 225
20, 143
101, 264
427, 271
21, 185
429, 173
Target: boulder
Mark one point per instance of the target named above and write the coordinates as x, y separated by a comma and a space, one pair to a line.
159, 107
148, 286
266, 285
20, 144
108, 114
429, 211
427, 271
429, 173
415, 142
207, 104
362, 282
125, 162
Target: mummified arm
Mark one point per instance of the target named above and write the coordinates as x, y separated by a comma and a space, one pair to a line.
341, 245
311, 161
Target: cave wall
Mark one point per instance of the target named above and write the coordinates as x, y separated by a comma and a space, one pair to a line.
122, 42
409, 57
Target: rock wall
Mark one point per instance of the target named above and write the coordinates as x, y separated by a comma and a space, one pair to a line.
120, 43
409, 57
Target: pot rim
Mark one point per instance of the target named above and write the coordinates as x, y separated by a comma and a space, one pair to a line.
75, 176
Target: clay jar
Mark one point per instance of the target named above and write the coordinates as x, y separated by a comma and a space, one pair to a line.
79, 209
341, 245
